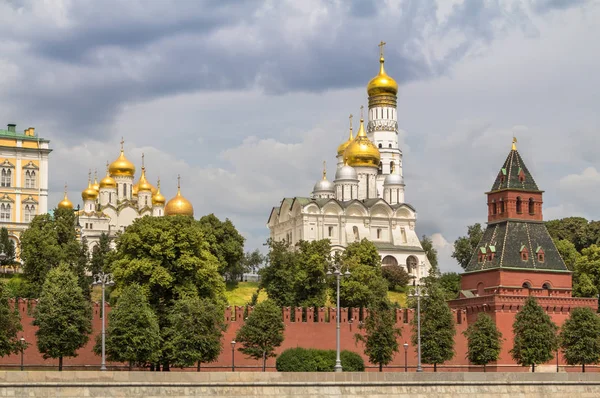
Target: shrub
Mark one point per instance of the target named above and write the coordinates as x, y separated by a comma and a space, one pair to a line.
395, 275
313, 360
17, 287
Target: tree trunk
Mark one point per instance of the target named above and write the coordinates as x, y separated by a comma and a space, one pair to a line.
264, 361
380, 367
151, 367
130, 366
158, 367
198, 368
583, 367
484, 368
166, 367
60, 363
435, 367
533, 368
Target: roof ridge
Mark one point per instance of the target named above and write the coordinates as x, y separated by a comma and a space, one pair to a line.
509, 173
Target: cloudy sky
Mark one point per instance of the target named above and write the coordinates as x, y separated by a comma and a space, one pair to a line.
245, 99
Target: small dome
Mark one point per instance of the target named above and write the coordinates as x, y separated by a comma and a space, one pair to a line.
143, 184
393, 179
158, 198
122, 166
108, 181
382, 84
342, 148
89, 193
179, 205
65, 203
346, 173
95, 185
361, 151
324, 186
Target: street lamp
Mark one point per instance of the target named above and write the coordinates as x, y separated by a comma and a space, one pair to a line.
104, 280
417, 293
405, 357
22, 350
233, 355
336, 270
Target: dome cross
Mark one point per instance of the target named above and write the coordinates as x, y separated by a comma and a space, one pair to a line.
381, 45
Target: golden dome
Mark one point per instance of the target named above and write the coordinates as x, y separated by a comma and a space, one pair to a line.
89, 193
122, 166
345, 144
108, 181
143, 184
158, 198
65, 203
361, 151
95, 185
382, 84
179, 205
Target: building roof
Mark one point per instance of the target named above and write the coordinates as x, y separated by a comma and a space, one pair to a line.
510, 172
386, 246
20, 135
507, 239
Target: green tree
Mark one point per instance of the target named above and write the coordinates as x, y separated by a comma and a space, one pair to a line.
195, 332
133, 335
364, 252
262, 332
10, 325
450, 284
568, 252
63, 316
535, 339
465, 246
380, 334
437, 327
430, 251
252, 261
580, 338
312, 263
396, 276
170, 259
583, 286
572, 229
226, 244
587, 269
100, 255
278, 277
484, 341
7, 246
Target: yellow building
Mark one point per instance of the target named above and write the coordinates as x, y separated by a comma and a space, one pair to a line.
23, 178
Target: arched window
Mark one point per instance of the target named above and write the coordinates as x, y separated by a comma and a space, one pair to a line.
124, 191
531, 206
355, 231
30, 179
494, 208
389, 260
526, 285
5, 212
501, 206
519, 205
392, 166
480, 289
380, 146
546, 286
6, 179
29, 213
380, 169
389, 145
411, 264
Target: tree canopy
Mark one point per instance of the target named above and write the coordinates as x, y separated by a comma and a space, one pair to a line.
133, 334
430, 251
226, 244
465, 246
63, 315
7, 246
262, 332
535, 339
10, 324
580, 337
380, 334
484, 341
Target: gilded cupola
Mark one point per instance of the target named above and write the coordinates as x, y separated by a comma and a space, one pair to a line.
382, 85
361, 151
89, 193
143, 184
345, 144
65, 203
179, 205
122, 166
108, 181
158, 198
95, 185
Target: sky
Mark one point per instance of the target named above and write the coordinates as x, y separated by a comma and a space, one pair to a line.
245, 99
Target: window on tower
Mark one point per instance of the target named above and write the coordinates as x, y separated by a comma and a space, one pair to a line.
501, 206
380, 146
330, 230
519, 205
531, 206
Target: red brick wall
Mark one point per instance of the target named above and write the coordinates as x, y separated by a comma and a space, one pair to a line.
510, 205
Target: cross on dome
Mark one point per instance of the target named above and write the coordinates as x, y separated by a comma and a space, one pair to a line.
381, 45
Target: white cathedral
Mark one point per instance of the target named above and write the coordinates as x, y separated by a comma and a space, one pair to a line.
111, 205
366, 199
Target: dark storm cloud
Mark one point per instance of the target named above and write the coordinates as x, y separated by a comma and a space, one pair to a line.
110, 54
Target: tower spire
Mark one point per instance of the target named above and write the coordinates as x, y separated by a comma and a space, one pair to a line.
350, 118
324, 170
381, 45
143, 167
178, 184
361, 113
514, 143
122, 143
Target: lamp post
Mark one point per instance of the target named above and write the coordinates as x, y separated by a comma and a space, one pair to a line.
405, 357
3, 257
417, 293
104, 280
233, 355
336, 270
557, 361
22, 351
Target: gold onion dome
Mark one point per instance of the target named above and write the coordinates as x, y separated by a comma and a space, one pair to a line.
158, 198
143, 184
345, 144
108, 181
65, 203
95, 185
361, 151
89, 193
179, 205
382, 84
122, 166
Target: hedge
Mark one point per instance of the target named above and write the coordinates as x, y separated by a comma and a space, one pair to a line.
313, 360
